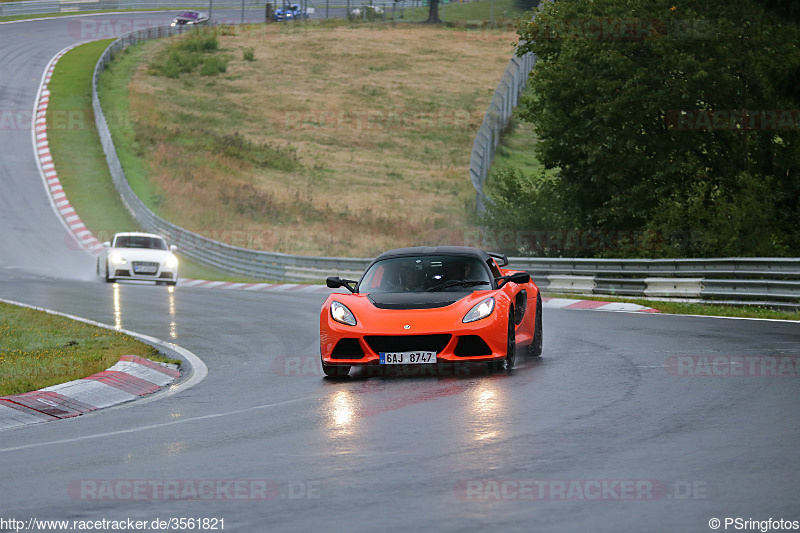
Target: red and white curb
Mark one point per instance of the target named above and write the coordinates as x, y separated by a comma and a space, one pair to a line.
47, 170
272, 287
547, 303
567, 303
130, 378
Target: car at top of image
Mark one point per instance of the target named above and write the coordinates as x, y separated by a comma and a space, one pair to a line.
431, 305
190, 18
138, 256
290, 12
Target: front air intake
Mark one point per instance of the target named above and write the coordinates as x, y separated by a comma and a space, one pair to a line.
347, 349
408, 343
472, 346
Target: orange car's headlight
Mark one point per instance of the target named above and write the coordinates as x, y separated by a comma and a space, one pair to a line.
340, 313
481, 310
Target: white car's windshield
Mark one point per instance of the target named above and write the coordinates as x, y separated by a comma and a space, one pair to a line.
140, 241
426, 273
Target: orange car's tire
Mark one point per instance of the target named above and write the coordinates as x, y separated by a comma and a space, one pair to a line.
335, 371
535, 348
511, 343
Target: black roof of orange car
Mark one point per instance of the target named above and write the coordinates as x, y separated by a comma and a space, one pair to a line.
435, 250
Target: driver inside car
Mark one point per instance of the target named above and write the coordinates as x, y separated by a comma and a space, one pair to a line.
412, 278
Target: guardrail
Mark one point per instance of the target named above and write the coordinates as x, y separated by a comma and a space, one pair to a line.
505, 99
773, 282
762, 281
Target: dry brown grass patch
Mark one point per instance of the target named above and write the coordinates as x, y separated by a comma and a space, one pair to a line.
381, 120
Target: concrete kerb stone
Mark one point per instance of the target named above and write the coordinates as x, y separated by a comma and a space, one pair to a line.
127, 380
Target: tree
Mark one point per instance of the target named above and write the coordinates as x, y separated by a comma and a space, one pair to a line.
673, 118
433, 12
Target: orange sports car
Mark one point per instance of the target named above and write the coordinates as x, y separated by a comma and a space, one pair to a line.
431, 305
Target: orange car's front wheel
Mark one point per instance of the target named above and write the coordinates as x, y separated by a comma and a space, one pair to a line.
535, 348
511, 344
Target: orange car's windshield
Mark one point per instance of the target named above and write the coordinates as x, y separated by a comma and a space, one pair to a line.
425, 273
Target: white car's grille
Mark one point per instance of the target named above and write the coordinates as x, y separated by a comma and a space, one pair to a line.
147, 268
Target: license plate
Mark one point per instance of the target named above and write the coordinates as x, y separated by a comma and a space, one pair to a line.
407, 358
145, 269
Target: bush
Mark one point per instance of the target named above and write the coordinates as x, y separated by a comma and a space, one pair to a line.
524, 202
249, 54
201, 42
740, 218
213, 65
199, 49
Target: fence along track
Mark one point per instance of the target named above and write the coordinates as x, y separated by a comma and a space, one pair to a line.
505, 99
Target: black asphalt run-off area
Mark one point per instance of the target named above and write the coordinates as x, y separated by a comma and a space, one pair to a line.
619, 427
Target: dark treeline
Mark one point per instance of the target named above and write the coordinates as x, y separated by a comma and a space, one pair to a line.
680, 120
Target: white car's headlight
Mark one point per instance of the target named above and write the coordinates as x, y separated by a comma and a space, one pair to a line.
481, 310
171, 262
117, 258
340, 313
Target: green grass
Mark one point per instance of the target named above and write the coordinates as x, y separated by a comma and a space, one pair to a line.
38, 349
516, 149
687, 308
502, 12
75, 145
79, 157
116, 109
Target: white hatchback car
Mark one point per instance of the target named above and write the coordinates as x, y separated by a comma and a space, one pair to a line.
140, 256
